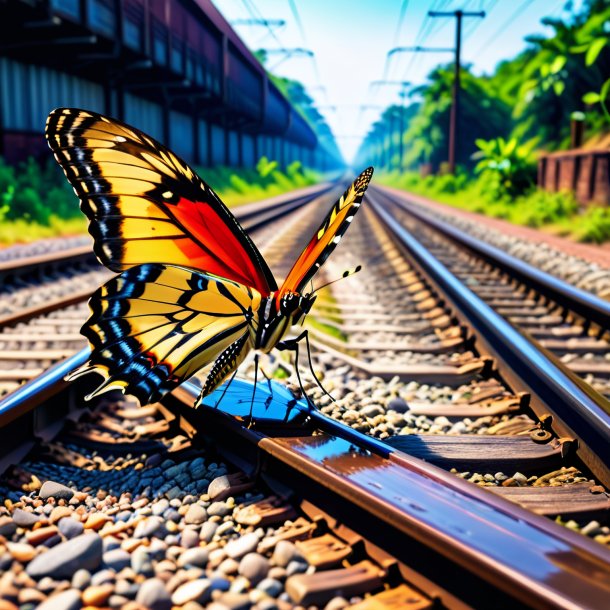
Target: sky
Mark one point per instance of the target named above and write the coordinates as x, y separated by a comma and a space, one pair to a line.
350, 41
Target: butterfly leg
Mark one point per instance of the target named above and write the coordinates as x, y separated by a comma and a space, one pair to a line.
225, 390
293, 345
251, 416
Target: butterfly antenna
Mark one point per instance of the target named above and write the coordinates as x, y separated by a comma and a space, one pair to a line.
345, 274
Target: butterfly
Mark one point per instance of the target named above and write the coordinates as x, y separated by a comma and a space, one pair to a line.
192, 289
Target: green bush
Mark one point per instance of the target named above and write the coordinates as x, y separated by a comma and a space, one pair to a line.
510, 166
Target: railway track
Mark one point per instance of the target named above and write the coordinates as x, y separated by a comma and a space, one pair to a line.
382, 529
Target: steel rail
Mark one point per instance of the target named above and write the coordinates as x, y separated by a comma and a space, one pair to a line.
590, 307
407, 502
578, 411
525, 555
412, 509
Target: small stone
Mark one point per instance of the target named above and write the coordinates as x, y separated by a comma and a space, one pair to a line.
285, 551
97, 595
254, 567
242, 546
152, 526
234, 601
153, 595
51, 489
59, 512
81, 579
398, 404
96, 521
189, 538
141, 562
7, 526
296, 567
270, 586
337, 603
218, 487
196, 590
520, 478
195, 515
38, 536
70, 528
63, 560
67, 600
228, 566
25, 518
117, 601
30, 596
117, 559
197, 557
219, 509
21, 552
208, 529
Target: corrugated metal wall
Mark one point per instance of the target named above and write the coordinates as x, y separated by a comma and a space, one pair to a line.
181, 138
28, 93
146, 115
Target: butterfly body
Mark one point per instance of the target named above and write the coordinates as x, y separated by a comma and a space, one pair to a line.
208, 297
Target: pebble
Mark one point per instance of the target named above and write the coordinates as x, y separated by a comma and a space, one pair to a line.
67, 600
284, 552
81, 579
270, 586
196, 590
63, 560
195, 515
51, 489
41, 534
7, 526
242, 546
21, 552
254, 567
208, 529
218, 509
151, 526
197, 557
189, 538
117, 559
153, 595
97, 595
233, 601
398, 404
25, 518
70, 528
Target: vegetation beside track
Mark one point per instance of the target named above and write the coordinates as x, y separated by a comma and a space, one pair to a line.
36, 200
558, 213
509, 117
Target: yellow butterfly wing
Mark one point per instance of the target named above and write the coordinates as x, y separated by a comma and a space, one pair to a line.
154, 325
327, 237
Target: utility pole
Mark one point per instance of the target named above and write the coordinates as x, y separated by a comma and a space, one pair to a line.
455, 104
404, 85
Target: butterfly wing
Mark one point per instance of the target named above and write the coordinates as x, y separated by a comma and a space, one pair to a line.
327, 236
145, 204
153, 326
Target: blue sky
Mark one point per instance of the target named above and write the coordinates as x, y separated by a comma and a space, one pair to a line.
351, 39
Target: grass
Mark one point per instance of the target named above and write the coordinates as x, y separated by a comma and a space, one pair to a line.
557, 213
21, 231
36, 201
